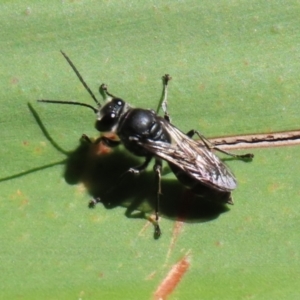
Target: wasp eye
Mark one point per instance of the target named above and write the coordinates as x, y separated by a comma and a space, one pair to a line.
106, 123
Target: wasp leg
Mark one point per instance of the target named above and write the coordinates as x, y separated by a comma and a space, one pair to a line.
94, 202
138, 169
132, 213
210, 146
107, 141
163, 103
239, 156
105, 93
86, 139
157, 169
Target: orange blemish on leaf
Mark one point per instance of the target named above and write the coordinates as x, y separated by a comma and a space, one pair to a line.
14, 80
24, 203
201, 87
219, 243
170, 282
187, 198
151, 275
177, 228
274, 187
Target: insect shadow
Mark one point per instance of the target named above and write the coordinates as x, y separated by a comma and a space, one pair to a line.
100, 173
99, 170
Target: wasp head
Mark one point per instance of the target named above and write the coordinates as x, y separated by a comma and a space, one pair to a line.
108, 115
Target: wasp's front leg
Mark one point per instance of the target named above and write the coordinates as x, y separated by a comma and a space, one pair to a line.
163, 103
111, 143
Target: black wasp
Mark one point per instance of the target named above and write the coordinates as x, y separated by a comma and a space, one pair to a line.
146, 134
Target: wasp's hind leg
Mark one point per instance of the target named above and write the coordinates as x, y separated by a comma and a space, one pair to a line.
210, 146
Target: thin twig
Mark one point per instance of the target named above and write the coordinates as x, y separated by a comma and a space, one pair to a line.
273, 139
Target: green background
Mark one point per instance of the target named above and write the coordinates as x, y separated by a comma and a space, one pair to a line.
235, 68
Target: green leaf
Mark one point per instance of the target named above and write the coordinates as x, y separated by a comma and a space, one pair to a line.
235, 69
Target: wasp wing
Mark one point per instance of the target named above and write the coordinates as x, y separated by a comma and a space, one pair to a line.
192, 157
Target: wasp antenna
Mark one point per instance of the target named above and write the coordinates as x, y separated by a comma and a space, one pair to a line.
69, 102
80, 77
